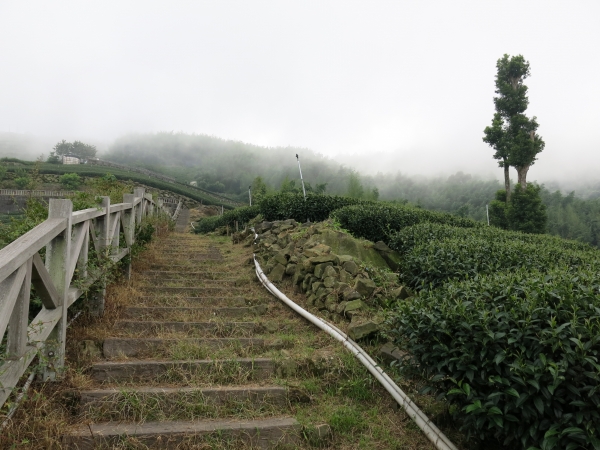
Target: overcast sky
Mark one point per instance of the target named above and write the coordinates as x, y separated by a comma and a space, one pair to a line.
412, 79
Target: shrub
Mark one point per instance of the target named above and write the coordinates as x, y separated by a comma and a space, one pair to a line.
497, 211
407, 238
23, 182
375, 221
241, 215
70, 181
316, 207
516, 351
526, 212
428, 263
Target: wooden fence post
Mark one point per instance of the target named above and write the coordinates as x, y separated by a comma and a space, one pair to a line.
17, 326
57, 262
139, 212
98, 292
128, 219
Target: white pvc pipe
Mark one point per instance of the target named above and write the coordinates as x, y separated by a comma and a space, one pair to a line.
437, 438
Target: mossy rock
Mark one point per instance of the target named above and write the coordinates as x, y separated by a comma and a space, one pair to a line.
344, 244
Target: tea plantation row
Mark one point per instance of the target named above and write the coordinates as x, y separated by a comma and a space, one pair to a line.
504, 325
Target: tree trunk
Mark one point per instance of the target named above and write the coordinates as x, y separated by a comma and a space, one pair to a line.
522, 174
506, 180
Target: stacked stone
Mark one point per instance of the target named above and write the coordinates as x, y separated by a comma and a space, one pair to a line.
338, 285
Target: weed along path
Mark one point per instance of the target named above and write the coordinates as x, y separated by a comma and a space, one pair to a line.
195, 354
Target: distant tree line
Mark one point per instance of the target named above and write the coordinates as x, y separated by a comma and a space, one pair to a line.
231, 167
77, 148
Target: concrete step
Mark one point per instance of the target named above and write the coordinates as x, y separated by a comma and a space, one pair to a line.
175, 274
175, 300
192, 281
189, 256
191, 314
108, 404
215, 329
131, 347
206, 370
193, 290
262, 433
188, 266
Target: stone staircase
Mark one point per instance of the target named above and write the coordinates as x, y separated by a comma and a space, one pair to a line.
192, 362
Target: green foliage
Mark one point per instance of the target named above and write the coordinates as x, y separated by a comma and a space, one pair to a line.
77, 148
2, 172
497, 211
70, 181
258, 189
434, 254
16, 161
512, 134
241, 215
23, 182
53, 158
525, 211
315, 208
33, 214
516, 351
289, 186
123, 175
375, 221
355, 187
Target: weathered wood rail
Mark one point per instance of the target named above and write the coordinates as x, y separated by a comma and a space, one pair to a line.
50, 193
60, 278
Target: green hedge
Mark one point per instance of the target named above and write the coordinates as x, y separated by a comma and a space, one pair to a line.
241, 215
517, 352
316, 207
433, 255
376, 221
405, 239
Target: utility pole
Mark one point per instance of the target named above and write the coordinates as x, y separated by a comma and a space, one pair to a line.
487, 212
250, 194
301, 179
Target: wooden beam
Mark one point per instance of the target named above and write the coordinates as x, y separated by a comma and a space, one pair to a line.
15, 254
86, 214
58, 252
9, 292
42, 282
81, 231
119, 207
17, 327
39, 330
119, 256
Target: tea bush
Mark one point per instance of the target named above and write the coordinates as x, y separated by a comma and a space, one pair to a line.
376, 221
241, 215
433, 255
316, 207
282, 206
405, 239
516, 351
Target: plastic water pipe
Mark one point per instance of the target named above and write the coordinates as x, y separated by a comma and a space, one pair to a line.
433, 433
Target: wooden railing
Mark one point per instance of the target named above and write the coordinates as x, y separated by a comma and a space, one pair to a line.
60, 278
35, 193
47, 193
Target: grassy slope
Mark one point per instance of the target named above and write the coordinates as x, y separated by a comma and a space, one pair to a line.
92, 171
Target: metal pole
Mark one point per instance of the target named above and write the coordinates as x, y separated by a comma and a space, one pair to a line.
300, 169
250, 194
487, 212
